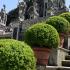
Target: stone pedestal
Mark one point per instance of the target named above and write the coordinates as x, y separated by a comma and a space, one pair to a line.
56, 56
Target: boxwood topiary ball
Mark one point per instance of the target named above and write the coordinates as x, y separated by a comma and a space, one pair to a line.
42, 35
66, 16
61, 24
16, 55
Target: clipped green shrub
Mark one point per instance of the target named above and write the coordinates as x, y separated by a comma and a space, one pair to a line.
42, 35
61, 24
66, 16
16, 55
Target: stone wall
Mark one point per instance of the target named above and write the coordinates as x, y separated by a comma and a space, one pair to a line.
26, 24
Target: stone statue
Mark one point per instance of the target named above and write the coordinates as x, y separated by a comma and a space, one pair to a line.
61, 3
22, 9
33, 10
0, 17
36, 10
3, 15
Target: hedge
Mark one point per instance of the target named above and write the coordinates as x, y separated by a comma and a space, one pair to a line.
16, 55
41, 35
66, 16
61, 24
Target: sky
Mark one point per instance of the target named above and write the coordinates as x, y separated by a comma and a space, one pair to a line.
11, 4
67, 3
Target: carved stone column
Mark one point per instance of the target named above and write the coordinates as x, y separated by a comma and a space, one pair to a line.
22, 8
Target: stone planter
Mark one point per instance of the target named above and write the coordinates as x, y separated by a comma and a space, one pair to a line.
57, 56
42, 55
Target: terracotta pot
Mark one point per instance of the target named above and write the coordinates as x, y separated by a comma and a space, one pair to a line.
61, 40
42, 55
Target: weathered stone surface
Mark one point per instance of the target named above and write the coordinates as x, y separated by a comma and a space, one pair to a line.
52, 68
57, 56
42, 8
67, 57
66, 63
31, 12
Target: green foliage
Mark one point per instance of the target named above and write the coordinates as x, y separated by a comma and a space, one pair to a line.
42, 35
16, 55
66, 16
61, 24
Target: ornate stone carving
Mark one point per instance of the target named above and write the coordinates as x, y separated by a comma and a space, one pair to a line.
40, 8
22, 9
36, 9
3, 15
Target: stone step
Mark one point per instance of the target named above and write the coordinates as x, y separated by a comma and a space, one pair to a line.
66, 63
57, 68
69, 52
67, 57
53, 68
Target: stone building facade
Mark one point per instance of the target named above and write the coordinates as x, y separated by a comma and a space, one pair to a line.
33, 11
29, 9
36, 9
41, 8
